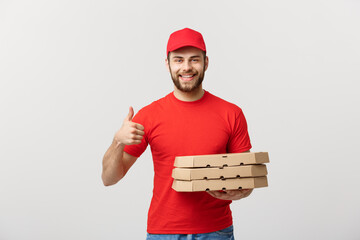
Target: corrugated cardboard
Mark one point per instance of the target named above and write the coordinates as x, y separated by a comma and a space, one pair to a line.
218, 184
220, 160
216, 173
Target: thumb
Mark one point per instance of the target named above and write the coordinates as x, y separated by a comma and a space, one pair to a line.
130, 115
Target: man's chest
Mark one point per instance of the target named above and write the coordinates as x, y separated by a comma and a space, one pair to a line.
190, 134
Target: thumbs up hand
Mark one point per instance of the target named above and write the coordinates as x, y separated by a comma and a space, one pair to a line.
130, 133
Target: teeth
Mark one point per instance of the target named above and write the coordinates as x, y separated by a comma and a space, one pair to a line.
187, 76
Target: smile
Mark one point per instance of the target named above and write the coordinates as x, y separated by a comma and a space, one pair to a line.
187, 78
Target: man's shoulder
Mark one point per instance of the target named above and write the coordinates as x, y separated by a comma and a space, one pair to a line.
224, 103
155, 105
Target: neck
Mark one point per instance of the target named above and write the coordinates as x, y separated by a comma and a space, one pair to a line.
194, 95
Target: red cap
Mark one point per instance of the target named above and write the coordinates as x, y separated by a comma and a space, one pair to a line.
185, 37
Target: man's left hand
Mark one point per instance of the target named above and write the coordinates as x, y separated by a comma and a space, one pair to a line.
231, 194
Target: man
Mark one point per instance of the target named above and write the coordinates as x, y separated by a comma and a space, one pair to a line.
188, 121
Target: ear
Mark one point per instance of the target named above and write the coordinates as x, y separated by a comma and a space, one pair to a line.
167, 64
206, 62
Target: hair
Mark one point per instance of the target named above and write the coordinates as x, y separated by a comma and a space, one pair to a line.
204, 53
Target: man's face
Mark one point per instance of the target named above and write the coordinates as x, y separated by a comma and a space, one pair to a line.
187, 68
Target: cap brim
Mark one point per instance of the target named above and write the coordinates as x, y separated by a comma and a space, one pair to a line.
176, 47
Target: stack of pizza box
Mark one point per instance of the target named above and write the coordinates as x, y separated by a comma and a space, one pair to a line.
220, 172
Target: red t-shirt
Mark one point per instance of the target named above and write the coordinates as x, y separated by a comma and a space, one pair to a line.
173, 128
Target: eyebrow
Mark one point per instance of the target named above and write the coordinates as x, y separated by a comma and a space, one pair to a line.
195, 56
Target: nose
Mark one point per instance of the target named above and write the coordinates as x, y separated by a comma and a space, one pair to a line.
187, 66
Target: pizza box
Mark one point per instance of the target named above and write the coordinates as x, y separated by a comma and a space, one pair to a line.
221, 160
219, 184
216, 173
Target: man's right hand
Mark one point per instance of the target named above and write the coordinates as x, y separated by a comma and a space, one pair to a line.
130, 133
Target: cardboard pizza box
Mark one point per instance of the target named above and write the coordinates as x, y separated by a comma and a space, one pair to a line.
217, 173
219, 184
220, 160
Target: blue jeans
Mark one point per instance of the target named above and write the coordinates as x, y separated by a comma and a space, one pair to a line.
225, 234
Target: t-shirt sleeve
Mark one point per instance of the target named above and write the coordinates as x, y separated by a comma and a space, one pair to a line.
137, 149
239, 139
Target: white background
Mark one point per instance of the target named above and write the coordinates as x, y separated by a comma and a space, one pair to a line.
69, 70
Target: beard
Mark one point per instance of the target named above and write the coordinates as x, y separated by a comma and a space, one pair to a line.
189, 87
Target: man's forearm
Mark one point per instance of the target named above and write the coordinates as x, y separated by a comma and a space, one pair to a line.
113, 165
